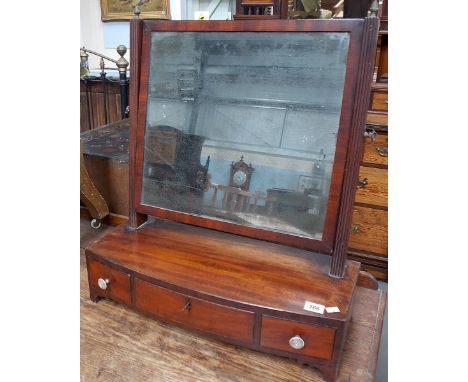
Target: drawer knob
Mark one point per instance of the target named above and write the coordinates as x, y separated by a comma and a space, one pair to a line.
103, 283
296, 342
362, 183
370, 134
355, 228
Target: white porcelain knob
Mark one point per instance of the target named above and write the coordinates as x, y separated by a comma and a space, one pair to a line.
296, 342
103, 283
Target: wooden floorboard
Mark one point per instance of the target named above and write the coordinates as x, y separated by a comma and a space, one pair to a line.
118, 344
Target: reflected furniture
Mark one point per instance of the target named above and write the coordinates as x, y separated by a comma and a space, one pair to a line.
253, 276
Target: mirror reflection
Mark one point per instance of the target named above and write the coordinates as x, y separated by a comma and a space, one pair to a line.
242, 127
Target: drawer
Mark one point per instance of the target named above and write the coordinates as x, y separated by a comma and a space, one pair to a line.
379, 101
318, 341
194, 313
377, 118
373, 187
118, 283
369, 230
376, 151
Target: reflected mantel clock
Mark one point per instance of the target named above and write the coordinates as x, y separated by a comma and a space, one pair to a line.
241, 173
272, 275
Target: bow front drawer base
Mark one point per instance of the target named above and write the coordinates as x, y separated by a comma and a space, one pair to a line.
238, 290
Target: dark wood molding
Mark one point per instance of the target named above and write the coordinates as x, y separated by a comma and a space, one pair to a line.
135, 219
361, 96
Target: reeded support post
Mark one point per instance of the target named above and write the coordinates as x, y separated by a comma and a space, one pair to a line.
135, 219
122, 65
358, 124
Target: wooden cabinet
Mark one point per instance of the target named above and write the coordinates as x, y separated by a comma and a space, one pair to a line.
368, 240
99, 103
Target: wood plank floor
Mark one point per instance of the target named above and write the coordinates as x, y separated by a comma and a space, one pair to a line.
118, 344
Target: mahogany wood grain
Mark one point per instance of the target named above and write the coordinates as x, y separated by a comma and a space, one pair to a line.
195, 313
318, 341
375, 193
343, 25
118, 287
135, 219
371, 157
223, 267
372, 233
118, 343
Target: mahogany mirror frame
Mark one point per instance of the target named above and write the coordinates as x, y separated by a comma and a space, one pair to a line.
356, 93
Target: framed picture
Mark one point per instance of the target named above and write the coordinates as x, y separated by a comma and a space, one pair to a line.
123, 9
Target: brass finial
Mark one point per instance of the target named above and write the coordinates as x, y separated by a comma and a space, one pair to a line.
137, 9
374, 8
84, 58
83, 53
122, 63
